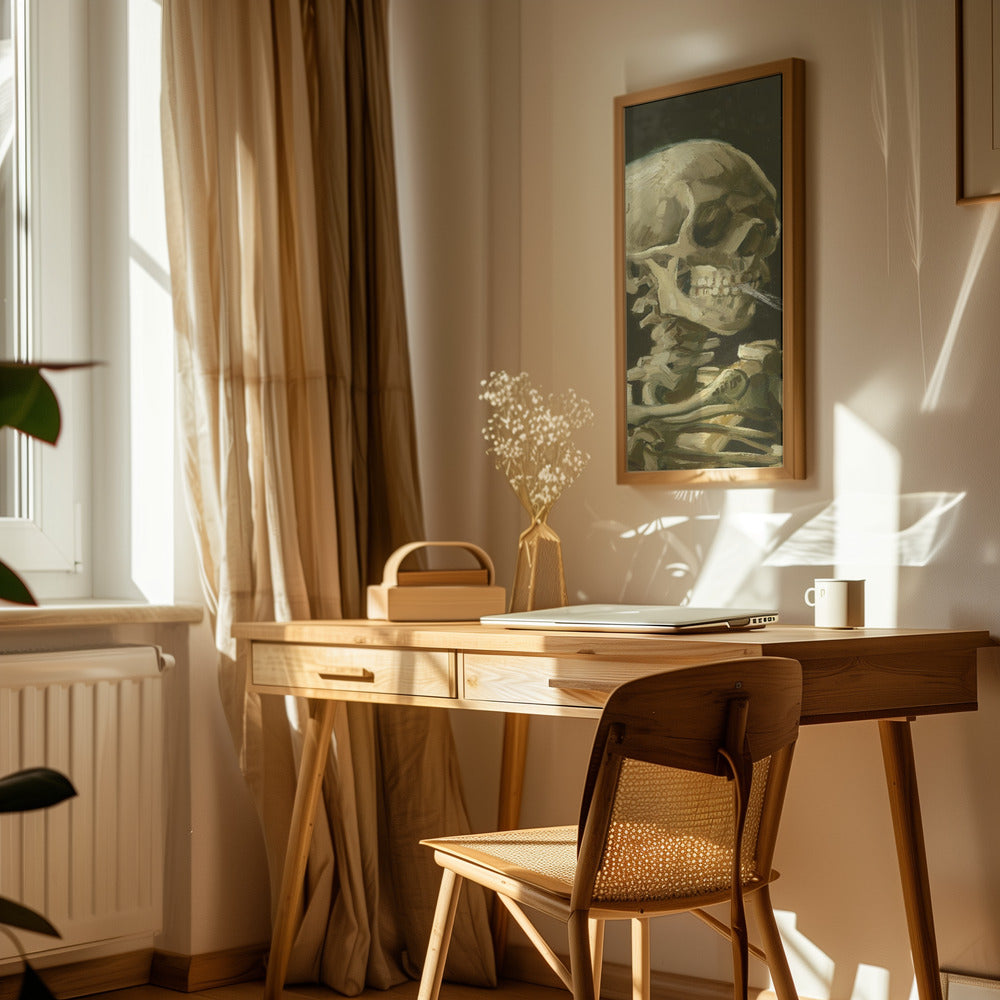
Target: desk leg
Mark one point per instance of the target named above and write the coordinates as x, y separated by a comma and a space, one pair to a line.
515, 745
315, 746
901, 780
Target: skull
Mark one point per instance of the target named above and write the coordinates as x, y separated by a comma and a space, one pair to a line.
700, 222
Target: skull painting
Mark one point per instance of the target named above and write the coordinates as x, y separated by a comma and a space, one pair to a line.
700, 224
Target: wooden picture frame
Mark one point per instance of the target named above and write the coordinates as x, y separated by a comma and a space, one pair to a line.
709, 258
977, 91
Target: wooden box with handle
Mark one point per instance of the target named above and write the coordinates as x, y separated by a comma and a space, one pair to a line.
436, 595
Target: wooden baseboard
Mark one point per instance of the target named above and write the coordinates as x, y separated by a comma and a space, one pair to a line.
190, 973
184, 973
93, 975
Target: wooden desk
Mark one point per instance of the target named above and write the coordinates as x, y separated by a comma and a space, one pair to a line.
889, 675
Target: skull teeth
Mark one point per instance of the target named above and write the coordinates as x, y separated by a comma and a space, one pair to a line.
712, 282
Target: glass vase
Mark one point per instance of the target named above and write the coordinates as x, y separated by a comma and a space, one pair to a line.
539, 581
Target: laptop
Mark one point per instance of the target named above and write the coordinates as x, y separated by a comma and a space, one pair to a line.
655, 618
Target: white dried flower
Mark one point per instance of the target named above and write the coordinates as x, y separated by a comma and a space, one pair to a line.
529, 438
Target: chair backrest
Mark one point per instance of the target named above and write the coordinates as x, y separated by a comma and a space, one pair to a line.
686, 776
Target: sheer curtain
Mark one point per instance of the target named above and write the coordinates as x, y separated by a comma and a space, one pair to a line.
299, 454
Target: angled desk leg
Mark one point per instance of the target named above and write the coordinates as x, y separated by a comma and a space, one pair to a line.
515, 745
319, 729
901, 780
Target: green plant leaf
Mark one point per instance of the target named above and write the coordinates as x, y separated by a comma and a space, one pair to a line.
34, 788
27, 402
32, 987
15, 915
12, 587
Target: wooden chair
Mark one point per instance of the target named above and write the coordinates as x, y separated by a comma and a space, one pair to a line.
680, 810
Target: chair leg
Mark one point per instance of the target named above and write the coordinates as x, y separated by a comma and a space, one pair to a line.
640, 959
437, 947
597, 951
580, 964
741, 959
777, 962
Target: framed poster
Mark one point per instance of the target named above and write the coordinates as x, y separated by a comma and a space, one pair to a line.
709, 279
977, 43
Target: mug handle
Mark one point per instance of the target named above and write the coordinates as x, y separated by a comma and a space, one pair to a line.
812, 591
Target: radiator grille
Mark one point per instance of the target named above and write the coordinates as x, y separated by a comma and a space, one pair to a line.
92, 865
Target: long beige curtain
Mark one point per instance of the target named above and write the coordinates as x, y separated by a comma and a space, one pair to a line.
297, 424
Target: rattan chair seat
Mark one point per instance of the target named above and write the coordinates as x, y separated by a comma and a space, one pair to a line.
544, 857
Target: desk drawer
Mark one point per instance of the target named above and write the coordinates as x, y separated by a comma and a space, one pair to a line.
428, 673
581, 682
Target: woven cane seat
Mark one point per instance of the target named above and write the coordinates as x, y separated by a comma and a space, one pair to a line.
543, 857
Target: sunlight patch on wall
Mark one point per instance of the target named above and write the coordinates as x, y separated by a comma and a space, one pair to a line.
807, 536
871, 983
811, 968
821, 536
726, 569
866, 478
653, 527
151, 330
868, 530
987, 223
731, 571
810, 538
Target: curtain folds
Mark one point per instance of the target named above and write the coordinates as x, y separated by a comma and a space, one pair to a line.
298, 436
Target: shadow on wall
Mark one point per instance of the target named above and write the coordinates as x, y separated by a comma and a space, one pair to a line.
717, 558
730, 556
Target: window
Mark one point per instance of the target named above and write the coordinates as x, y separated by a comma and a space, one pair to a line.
94, 516
44, 281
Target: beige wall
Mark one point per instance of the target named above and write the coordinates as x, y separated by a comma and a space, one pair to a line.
504, 144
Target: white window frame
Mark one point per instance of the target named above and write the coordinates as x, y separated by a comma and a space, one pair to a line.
49, 546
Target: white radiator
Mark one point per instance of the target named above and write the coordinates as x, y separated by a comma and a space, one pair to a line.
92, 865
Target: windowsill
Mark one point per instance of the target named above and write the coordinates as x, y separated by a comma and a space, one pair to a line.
76, 614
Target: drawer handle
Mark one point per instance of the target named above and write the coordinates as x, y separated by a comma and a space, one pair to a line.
349, 674
579, 684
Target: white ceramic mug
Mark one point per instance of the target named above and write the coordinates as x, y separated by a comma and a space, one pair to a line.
838, 603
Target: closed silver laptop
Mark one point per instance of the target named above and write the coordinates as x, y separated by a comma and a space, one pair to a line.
654, 618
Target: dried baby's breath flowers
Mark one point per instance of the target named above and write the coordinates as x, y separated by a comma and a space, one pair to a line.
529, 438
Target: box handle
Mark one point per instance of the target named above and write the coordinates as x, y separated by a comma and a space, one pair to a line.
392, 564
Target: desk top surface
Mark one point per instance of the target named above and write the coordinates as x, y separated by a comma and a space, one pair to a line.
800, 641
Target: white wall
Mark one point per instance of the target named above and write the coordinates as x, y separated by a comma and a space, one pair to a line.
504, 150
